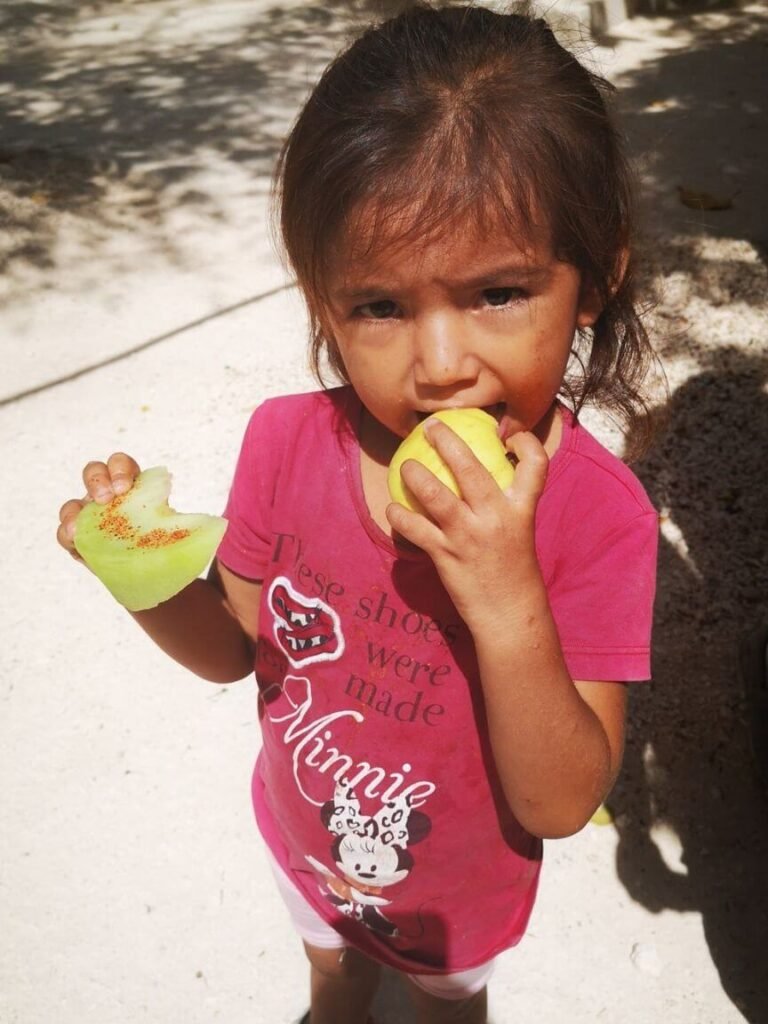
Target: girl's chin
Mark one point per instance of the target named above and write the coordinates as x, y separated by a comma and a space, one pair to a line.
380, 438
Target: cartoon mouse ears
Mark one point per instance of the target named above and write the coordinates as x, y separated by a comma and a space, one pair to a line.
395, 824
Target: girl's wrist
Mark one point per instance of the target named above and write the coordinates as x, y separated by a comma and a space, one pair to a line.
517, 606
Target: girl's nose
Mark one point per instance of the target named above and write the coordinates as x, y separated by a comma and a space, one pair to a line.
443, 353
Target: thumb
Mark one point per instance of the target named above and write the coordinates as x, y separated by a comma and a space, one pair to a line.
532, 466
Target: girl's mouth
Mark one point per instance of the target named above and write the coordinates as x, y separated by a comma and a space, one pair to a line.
497, 411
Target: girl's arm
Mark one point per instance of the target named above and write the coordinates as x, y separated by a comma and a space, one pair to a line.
210, 626
557, 744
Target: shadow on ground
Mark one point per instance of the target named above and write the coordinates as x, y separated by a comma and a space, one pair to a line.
692, 121
114, 113
687, 764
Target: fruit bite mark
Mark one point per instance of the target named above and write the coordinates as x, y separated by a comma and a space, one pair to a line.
159, 538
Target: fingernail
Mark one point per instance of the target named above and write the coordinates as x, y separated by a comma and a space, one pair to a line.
104, 494
121, 485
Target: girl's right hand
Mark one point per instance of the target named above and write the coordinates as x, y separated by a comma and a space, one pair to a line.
103, 481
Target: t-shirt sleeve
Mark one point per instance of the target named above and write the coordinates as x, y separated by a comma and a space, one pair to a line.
603, 604
245, 548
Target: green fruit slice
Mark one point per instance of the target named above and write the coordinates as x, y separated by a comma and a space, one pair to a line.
142, 550
477, 428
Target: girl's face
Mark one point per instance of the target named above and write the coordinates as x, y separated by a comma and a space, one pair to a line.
458, 321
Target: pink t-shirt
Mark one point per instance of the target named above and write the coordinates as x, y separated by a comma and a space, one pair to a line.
375, 787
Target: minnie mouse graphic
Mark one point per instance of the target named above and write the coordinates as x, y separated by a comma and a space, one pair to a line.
370, 854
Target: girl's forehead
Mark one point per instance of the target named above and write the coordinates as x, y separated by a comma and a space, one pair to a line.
378, 244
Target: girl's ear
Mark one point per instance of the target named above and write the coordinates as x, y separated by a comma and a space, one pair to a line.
591, 303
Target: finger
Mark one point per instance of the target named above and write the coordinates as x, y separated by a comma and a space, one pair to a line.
532, 464
66, 542
436, 499
71, 509
413, 526
98, 483
123, 470
104, 480
65, 533
476, 484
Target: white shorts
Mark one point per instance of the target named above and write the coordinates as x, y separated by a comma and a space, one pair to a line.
317, 932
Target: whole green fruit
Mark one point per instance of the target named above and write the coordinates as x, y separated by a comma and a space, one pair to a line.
474, 426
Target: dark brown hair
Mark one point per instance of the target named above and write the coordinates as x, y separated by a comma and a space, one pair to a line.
443, 112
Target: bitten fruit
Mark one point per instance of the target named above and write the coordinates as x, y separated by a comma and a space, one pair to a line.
474, 426
142, 550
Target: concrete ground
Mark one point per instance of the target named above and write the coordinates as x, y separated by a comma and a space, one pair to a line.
143, 309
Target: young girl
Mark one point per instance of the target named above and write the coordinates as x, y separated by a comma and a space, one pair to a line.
437, 692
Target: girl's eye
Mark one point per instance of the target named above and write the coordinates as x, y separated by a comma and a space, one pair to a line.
382, 309
502, 296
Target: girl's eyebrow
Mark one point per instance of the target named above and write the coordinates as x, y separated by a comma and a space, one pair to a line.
502, 275
493, 277
367, 291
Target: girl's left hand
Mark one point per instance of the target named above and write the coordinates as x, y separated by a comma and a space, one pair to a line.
482, 543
